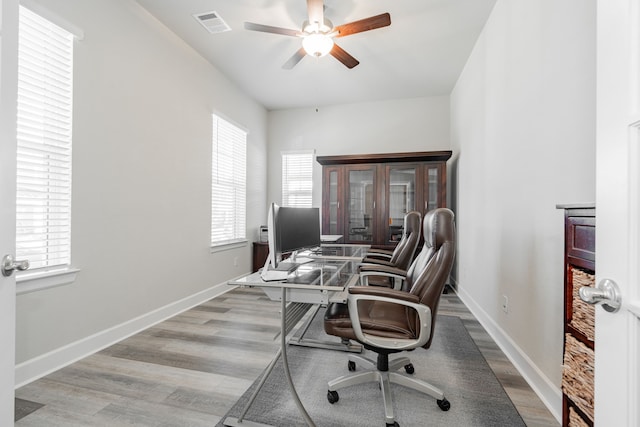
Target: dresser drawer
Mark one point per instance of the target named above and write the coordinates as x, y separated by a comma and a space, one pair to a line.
578, 374
581, 238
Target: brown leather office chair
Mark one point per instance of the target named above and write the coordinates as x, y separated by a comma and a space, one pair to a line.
388, 321
401, 256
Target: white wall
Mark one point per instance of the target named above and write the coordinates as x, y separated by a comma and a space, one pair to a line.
523, 121
141, 177
416, 124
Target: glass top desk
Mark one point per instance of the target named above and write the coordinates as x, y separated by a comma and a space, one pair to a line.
344, 252
314, 282
318, 282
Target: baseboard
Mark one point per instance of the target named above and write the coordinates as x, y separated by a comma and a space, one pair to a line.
550, 395
47, 363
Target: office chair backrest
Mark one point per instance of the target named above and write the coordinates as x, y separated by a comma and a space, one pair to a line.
405, 250
430, 271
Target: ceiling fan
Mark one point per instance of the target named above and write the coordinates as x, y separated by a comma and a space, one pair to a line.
318, 33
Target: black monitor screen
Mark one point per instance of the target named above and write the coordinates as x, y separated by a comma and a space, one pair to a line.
297, 228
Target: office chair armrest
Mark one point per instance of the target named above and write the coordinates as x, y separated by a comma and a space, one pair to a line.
379, 251
393, 297
380, 270
384, 292
374, 261
382, 253
397, 275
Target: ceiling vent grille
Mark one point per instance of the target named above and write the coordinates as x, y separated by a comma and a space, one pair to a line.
212, 22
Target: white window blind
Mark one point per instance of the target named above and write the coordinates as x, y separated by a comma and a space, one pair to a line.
228, 189
45, 83
297, 179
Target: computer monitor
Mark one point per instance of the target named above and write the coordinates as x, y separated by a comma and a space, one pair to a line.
297, 229
289, 230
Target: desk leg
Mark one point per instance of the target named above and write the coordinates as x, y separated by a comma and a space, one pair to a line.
238, 422
285, 362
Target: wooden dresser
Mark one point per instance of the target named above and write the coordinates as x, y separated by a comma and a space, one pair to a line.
579, 317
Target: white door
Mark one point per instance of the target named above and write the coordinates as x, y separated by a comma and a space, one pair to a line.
8, 90
617, 372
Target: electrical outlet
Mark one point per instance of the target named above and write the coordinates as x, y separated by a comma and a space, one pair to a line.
505, 303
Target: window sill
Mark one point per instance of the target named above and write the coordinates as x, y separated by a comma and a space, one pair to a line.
228, 246
32, 281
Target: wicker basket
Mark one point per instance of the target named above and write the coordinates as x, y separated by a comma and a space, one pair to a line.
576, 420
577, 374
583, 317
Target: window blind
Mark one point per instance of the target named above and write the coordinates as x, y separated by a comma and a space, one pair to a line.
297, 179
45, 83
228, 189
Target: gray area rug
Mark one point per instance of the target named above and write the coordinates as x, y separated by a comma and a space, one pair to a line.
453, 363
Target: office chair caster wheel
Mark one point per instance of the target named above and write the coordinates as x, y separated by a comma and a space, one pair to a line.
444, 404
351, 366
409, 369
332, 396
394, 424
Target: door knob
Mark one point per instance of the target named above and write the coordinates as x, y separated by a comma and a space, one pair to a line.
9, 265
606, 293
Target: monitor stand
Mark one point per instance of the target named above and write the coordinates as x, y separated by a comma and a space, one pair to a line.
270, 274
274, 275
295, 259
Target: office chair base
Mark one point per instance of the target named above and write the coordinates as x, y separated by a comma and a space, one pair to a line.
367, 363
385, 379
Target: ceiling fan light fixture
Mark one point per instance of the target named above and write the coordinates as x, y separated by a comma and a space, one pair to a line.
318, 32
317, 44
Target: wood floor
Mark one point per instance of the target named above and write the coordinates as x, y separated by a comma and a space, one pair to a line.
190, 369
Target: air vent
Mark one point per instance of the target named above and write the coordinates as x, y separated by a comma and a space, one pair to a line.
212, 22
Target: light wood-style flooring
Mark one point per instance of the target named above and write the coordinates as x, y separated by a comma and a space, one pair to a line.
189, 370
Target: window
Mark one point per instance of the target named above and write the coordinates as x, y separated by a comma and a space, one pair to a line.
45, 83
297, 179
228, 188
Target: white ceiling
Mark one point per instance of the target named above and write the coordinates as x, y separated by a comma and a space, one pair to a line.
420, 54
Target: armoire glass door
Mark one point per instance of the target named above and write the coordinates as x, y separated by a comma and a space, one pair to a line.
433, 193
361, 205
401, 198
332, 211
334, 203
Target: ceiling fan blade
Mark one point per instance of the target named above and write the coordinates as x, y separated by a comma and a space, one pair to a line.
341, 55
366, 24
274, 30
297, 57
315, 9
